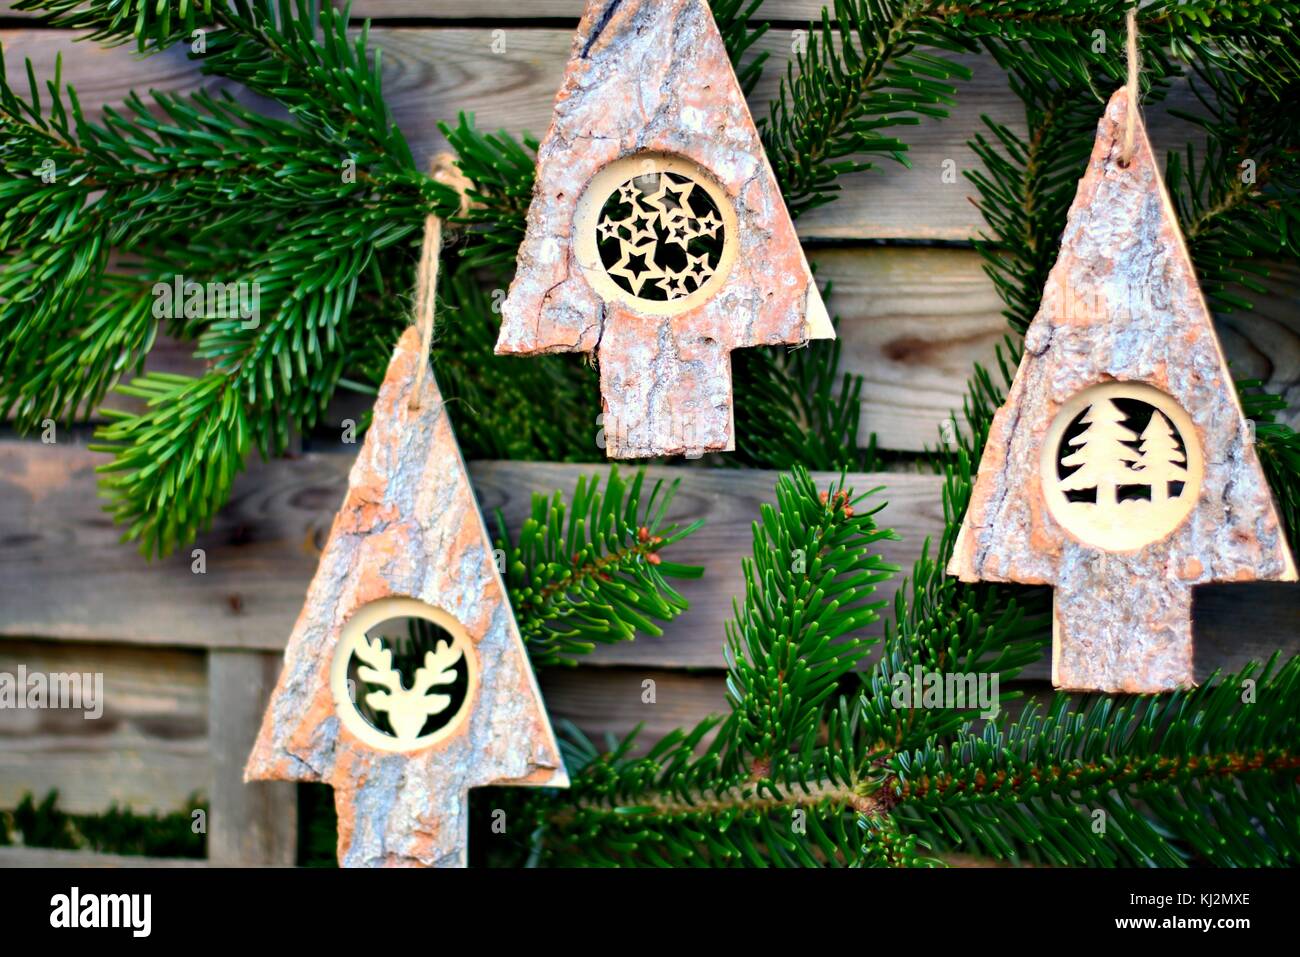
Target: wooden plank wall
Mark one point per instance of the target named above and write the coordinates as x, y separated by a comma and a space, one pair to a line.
188, 658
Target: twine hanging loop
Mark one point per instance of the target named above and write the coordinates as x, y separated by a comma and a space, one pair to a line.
1130, 118
443, 169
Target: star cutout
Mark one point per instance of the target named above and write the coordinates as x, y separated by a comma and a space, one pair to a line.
665, 283
707, 225
645, 232
698, 269
670, 200
673, 284
628, 193
626, 266
608, 228
680, 233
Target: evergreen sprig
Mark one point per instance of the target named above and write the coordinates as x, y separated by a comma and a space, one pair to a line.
1278, 447
491, 396
589, 570
1239, 203
503, 171
837, 779
311, 213
1026, 186
798, 407
740, 32
779, 780
798, 632
862, 73
119, 830
1204, 775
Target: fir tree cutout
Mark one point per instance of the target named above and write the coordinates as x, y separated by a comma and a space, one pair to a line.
1161, 461
1101, 459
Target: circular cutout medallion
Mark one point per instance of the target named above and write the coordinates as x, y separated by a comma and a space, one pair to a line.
1121, 466
655, 232
404, 675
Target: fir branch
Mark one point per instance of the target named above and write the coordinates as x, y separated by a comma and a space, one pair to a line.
869, 67
313, 205
861, 75
807, 591
590, 571
796, 407
494, 399
739, 34
1207, 774
503, 172
1026, 187
1278, 447
174, 463
789, 745
297, 52
1240, 203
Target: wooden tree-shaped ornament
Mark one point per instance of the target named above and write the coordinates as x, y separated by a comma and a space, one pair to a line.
1121, 469
406, 682
657, 236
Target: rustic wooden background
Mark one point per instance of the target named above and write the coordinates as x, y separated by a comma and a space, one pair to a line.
189, 659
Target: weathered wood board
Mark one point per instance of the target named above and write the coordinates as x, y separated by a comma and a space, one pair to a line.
433, 73
915, 320
253, 823
612, 702
149, 748
52, 857
263, 549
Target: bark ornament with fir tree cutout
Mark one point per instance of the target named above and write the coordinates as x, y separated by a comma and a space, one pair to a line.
1121, 469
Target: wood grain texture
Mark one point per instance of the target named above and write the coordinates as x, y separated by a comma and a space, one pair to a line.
254, 824
149, 749
608, 704
915, 321
433, 73
261, 554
